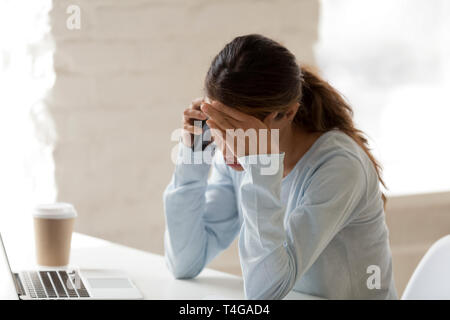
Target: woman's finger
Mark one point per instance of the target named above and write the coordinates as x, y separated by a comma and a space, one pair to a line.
195, 104
219, 118
217, 134
194, 114
224, 141
215, 129
233, 113
189, 125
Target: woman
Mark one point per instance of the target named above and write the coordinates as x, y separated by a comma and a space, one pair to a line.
316, 223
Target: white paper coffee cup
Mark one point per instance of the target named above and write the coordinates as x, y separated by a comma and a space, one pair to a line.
53, 227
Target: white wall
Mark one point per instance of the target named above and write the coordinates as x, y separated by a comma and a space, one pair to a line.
122, 81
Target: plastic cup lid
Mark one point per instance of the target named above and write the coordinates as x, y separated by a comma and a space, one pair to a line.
59, 210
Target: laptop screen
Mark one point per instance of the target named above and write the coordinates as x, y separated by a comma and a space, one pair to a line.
7, 287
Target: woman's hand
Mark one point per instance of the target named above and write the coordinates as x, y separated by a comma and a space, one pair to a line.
255, 136
191, 114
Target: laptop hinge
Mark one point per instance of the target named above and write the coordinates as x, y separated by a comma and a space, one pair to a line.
19, 286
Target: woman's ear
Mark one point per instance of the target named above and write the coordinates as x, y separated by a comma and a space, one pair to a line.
270, 118
292, 111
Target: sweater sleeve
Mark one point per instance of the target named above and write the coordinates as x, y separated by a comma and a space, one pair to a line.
275, 252
201, 214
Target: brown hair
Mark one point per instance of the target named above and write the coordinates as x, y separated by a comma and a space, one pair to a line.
258, 76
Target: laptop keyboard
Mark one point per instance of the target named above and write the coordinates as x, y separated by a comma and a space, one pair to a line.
54, 285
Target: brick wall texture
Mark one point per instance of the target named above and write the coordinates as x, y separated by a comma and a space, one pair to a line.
122, 82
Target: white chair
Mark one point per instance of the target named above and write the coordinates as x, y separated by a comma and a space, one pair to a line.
431, 279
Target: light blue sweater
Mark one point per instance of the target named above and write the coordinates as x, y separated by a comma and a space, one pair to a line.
320, 230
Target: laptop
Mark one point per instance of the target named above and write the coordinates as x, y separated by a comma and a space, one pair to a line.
63, 283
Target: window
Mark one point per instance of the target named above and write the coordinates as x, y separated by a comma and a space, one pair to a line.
391, 60
26, 73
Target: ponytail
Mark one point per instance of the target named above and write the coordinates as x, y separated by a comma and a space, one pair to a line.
322, 109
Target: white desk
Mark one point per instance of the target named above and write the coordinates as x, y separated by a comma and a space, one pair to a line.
148, 271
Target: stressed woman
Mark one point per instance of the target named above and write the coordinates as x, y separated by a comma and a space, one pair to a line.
303, 193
